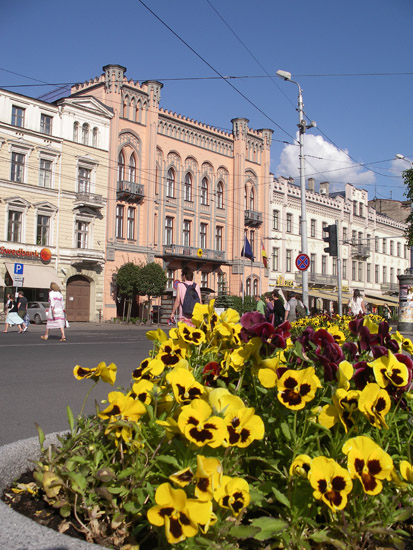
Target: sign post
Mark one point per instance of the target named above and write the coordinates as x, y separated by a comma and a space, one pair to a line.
302, 262
18, 275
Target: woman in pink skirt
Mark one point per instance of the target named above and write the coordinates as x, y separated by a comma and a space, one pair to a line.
57, 311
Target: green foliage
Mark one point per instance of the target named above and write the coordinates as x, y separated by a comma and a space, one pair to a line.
151, 280
127, 279
236, 302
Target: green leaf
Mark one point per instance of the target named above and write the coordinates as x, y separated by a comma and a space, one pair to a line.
126, 473
281, 497
70, 418
168, 460
269, 527
41, 436
244, 531
286, 431
403, 514
322, 536
79, 483
65, 511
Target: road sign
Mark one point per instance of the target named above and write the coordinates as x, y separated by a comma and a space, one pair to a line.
18, 269
302, 262
18, 280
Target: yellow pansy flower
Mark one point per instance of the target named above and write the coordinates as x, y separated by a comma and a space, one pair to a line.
331, 482
122, 407
300, 466
197, 424
297, 387
243, 427
105, 373
208, 477
233, 494
184, 385
406, 470
375, 403
387, 369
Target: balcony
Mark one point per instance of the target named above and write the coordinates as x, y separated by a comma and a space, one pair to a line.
252, 218
191, 252
318, 278
90, 200
87, 256
389, 287
129, 191
359, 251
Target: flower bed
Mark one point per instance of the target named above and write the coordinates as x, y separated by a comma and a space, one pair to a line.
235, 434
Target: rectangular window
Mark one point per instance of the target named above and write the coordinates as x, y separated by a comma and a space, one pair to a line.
391, 275
313, 228
376, 274
275, 219
391, 248
344, 274
17, 116
203, 235
368, 273
384, 247
299, 225
14, 229
398, 250
376, 244
187, 233
43, 230
289, 223
204, 279
170, 277
252, 242
288, 263
46, 124
45, 173
169, 226
119, 221
324, 265
276, 259
353, 270
344, 234
82, 234
17, 167
354, 207
384, 274
313, 263
360, 271
84, 177
218, 237
335, 267
131, 224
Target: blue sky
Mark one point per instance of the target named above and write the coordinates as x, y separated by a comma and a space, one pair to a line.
350, 58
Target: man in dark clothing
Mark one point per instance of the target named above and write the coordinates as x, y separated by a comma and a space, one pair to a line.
279, 310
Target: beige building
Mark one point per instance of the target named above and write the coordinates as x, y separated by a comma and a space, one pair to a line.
53, 198
180, 192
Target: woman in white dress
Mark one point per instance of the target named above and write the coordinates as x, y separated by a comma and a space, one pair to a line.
13, 318
356, 305
57, 313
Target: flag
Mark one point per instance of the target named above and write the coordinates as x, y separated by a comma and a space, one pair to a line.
264, 255
247, 250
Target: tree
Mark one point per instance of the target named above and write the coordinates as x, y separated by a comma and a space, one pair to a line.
408, 181
127, 279
151, 281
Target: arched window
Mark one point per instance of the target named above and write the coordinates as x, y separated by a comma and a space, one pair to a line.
255, 289
121, 167
125, 107
95, 137
132, 168
248, 289
170, 183
220, 195
76, 131
204, 191
85, 134
188, 187
252, 199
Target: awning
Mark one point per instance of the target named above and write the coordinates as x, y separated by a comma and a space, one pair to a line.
36, 276
381, 299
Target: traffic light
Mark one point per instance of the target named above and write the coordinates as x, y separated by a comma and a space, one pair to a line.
331, 239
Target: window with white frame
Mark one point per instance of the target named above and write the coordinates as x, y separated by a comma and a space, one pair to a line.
344, 233
221, 283
276, 259
43, 230
170, 277
324, 265
85, 134
186, 233
391, 248
169, 227
121, 167
334, 267
95, 137
76, 131
17, 116
252, 242
219, 237
18, 161
353, 270
84, 177
288, 260
391, 275
120, 213
368, 273
170, 183
248, 287
45, 173
398, 250
82, 234
275, 219
376, 274
203, 235
360, 271
204, 191
255, 287
14, 226
313, 228
289, 227
384, 247
384, 274
188, 187
204, 279
220, 195
344, 274
313, 263
131, 223
252, 199
46, 124
132, 168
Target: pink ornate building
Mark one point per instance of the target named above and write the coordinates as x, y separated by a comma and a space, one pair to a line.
181, 192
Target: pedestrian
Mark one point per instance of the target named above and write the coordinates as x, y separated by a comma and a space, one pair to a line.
356, 305
269, 308
279, 309
22, 309
56, 317
188, 294
8, 303
13, 317
386, 312
260, 306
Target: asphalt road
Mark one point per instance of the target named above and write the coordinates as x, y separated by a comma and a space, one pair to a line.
36, 377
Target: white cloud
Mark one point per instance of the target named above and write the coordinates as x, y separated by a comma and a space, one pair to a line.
324, 162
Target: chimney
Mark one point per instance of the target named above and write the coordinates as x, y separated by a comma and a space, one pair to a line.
311, 184
324, 188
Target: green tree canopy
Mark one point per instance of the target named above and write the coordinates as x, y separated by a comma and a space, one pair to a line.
151, 280
408, 181
127, 279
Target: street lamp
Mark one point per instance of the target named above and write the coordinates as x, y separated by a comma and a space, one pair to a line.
302, 127
402, 157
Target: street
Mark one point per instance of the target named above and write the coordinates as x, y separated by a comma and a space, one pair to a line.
36, 377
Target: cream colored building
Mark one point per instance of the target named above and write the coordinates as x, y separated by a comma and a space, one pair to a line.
373, 247
53, 199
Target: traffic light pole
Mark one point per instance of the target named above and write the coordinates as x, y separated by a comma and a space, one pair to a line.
339, 280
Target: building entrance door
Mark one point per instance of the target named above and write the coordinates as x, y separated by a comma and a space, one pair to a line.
78, 299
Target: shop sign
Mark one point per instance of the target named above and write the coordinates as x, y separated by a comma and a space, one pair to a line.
44, 255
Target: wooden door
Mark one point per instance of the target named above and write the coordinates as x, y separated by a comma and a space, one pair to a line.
78, 299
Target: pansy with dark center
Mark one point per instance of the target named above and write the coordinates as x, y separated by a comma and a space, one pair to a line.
296, 388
